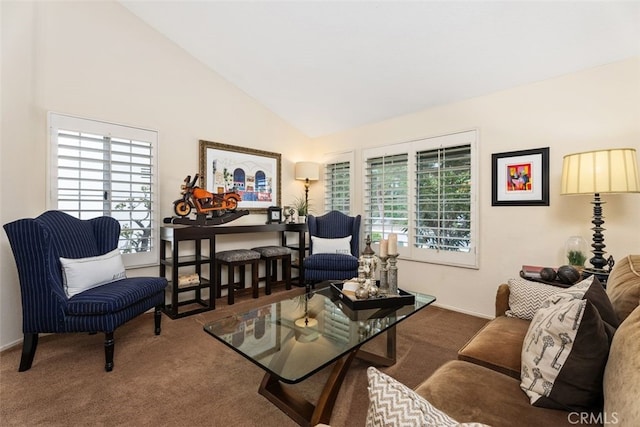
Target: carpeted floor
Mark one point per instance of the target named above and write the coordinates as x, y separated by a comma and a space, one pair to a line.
184, 377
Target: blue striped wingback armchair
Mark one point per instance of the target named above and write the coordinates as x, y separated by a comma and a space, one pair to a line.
38, 244
332, 266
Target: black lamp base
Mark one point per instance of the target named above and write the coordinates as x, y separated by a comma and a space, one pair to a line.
602, 275
306, 194
601, 265
598, 261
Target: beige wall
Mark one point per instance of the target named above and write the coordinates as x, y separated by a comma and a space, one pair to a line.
593, 109
96, 60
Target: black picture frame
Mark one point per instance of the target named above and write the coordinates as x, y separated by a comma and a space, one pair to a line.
274, 215
520, 178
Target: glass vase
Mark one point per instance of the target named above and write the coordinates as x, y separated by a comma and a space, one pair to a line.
576, 252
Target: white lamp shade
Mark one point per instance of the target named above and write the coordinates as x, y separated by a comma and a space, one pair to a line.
307, 170
602, 171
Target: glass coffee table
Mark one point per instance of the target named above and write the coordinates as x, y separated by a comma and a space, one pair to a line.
295, 338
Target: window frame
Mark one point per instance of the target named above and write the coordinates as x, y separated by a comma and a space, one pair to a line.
59, 121
409, 251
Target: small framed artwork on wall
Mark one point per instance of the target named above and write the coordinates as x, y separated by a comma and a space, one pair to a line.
520, 178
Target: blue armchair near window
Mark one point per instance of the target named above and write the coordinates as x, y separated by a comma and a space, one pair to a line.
340, 258
38, 244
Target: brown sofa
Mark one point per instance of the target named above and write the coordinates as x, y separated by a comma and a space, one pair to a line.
484, 384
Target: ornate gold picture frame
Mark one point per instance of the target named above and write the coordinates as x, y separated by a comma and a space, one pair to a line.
254, 174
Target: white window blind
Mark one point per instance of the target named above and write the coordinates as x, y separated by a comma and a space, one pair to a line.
104, 169
339, 181
387, 197
337, 177
443, 199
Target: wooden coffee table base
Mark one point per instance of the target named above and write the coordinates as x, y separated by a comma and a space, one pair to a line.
306, 413
300, 410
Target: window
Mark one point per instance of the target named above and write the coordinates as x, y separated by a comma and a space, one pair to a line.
443, 199
104, 169
338, 178
425, 192
387, 194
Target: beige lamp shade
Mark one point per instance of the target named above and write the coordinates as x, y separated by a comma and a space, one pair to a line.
307, 170
602, 171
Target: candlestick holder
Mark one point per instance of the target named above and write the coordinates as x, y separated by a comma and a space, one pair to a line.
384, 276
393, 274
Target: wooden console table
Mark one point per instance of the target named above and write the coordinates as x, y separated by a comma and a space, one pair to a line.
174, 234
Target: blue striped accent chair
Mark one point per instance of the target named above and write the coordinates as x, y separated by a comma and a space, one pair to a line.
37, 246
324, 266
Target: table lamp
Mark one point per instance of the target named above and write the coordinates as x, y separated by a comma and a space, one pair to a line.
595, 172
307, 172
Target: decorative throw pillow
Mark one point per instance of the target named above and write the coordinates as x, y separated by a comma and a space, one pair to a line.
591, 289
340, 245
565, 351
80, 274
392, 404
526, 297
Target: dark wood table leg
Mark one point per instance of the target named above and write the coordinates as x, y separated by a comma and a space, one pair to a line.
389, 358
300, 410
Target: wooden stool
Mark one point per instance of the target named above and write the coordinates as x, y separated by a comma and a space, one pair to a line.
271, 255
232, 259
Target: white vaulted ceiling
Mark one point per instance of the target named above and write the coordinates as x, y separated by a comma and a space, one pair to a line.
326, 66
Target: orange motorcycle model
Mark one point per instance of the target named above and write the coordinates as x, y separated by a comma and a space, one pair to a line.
204, 201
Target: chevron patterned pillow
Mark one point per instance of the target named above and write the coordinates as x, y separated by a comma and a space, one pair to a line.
526, 297
392, 404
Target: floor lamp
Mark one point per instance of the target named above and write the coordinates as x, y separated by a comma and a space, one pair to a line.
597, 172
307, 172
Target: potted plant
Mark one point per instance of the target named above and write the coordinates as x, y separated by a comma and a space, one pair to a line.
576, 258
301, 205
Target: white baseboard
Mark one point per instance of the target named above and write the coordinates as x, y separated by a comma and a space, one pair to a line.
471, 313
11, 345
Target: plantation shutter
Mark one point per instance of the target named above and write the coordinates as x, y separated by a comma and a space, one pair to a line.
337, 178
104, 169
386, 197
443, 199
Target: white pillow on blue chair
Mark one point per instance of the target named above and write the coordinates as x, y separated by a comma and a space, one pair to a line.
341, 245
80, 274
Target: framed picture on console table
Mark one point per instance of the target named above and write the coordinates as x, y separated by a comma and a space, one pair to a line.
520, 178
254, 174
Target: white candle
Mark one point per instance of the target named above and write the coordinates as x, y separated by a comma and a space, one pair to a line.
384, 244
393, 244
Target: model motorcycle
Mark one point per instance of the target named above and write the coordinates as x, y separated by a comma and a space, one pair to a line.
204, 201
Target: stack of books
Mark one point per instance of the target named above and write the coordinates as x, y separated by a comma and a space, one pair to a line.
531, 271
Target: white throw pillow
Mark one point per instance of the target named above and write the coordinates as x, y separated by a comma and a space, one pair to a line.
393, 404
340, 245
80, 274
566, 348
